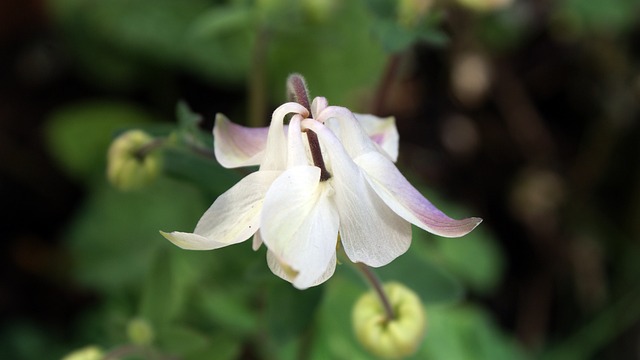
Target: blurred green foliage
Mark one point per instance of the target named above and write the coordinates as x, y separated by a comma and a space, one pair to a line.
226, 304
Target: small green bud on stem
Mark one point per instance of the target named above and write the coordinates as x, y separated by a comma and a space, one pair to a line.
140, 332
131, 161
390, 338
90, 352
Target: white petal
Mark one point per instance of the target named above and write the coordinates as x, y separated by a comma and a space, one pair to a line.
381, 131
371, 232
275, 157
257, 241
285, 272
345, 127
406, 201
297, 155
300, 223
318, 105
233, 217
235, 145
192, 241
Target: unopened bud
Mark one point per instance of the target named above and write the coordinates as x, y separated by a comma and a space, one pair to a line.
410, 12
140, 332
318, 11
485, 5
390, 338
91, 352
132, 163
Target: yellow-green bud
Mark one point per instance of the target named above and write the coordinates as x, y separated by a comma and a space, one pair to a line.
395, 338
410, 12
140, 332
318, 11
129, 166
485, 5
90, 352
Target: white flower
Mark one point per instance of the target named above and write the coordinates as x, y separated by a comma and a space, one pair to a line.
299, 212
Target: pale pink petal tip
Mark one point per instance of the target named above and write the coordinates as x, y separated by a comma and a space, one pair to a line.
236, 145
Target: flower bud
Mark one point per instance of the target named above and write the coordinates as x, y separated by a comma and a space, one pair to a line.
90, 352
140, 332
390, 338
318, 11
485, 5
410, 12
129, 165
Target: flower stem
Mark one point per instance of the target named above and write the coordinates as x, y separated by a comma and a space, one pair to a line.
381, 94
258, 79
297, 91
376, 284
145, 149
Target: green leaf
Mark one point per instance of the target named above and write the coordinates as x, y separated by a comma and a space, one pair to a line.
114, 236
339, 59
415, 270
475, 259
117, 42
228, 309
79, 135
220, 347
290, 311
588, 17
222, 20
162, 295
202, 171
465, 333
334, 335
187, 119
181, 340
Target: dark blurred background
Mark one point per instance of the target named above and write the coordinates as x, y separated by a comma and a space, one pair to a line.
528, 116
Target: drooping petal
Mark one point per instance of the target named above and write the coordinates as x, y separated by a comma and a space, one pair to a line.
236, 145
285, 272
344, 126
233, 217
371, 232
394, 189
275, 157
297, 155
300, 223
382, 131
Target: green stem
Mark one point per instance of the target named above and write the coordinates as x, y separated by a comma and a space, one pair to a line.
257, 80
145, 149
376, 284
382, 92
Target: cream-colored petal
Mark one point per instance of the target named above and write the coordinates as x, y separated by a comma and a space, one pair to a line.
236, 145
256, 242
300, 223
381, 131
296, 155
370, 231
394, 189
233, 217
318, 105
275, 157
285, 272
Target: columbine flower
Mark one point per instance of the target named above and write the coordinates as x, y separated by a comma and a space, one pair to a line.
307, 192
